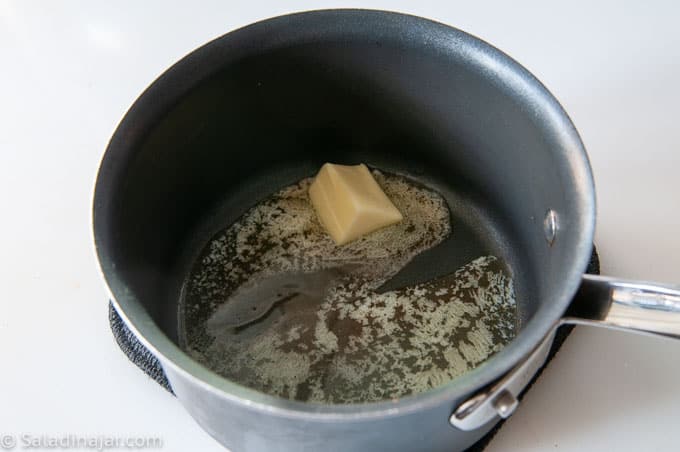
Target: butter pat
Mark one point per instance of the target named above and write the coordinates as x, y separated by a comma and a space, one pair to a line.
350, 203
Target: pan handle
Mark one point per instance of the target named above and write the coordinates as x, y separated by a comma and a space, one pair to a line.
640, 307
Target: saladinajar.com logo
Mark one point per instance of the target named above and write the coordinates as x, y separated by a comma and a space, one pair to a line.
99, 443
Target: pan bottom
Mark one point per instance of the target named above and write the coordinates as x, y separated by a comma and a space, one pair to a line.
355, 345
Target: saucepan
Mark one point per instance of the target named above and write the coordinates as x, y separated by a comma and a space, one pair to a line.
266, 105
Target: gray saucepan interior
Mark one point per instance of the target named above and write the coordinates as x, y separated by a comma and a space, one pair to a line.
237, 120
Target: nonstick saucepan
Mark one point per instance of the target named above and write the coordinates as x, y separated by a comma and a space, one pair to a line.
265, 106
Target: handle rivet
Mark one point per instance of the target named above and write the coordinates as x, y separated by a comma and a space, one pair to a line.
550, 226
505, 404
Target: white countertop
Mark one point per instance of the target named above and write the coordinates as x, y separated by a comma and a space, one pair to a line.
69, 71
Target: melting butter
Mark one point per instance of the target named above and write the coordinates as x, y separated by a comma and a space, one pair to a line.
350, 203
334, 339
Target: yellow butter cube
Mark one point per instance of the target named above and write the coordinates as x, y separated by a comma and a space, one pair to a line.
350, 203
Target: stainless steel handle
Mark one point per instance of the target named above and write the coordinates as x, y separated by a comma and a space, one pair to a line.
640, 307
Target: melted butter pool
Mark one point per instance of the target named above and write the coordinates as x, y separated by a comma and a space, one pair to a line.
328, 336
